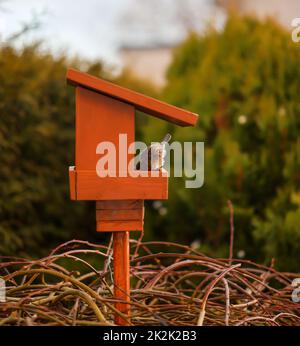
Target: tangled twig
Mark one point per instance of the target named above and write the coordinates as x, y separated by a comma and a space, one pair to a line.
172, 284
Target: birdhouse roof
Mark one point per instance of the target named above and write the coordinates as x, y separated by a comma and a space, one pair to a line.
141, 102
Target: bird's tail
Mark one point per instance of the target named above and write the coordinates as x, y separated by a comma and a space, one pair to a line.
167, 138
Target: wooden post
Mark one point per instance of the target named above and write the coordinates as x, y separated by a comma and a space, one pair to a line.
121, 274
120, 217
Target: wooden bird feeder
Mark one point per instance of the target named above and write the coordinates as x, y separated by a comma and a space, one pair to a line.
103, 112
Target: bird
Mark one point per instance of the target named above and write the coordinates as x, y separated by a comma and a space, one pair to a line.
153, 157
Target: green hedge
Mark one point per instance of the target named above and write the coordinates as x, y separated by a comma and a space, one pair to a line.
244, 81
36, 148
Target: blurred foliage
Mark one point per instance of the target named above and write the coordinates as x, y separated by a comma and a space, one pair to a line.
36, 148
244, 82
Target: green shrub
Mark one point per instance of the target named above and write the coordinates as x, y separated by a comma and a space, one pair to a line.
244, 81
36, 148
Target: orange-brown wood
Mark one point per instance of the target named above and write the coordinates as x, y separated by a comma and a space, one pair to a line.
127, 215
72, 183
100, 119
121, 275
123, 214
91, 187
121, 204
141, 102
115, 226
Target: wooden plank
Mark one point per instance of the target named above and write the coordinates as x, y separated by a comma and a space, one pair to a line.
122, 204
91, 187
117, 215
72, 182
141, 102
101, 119
116, 226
